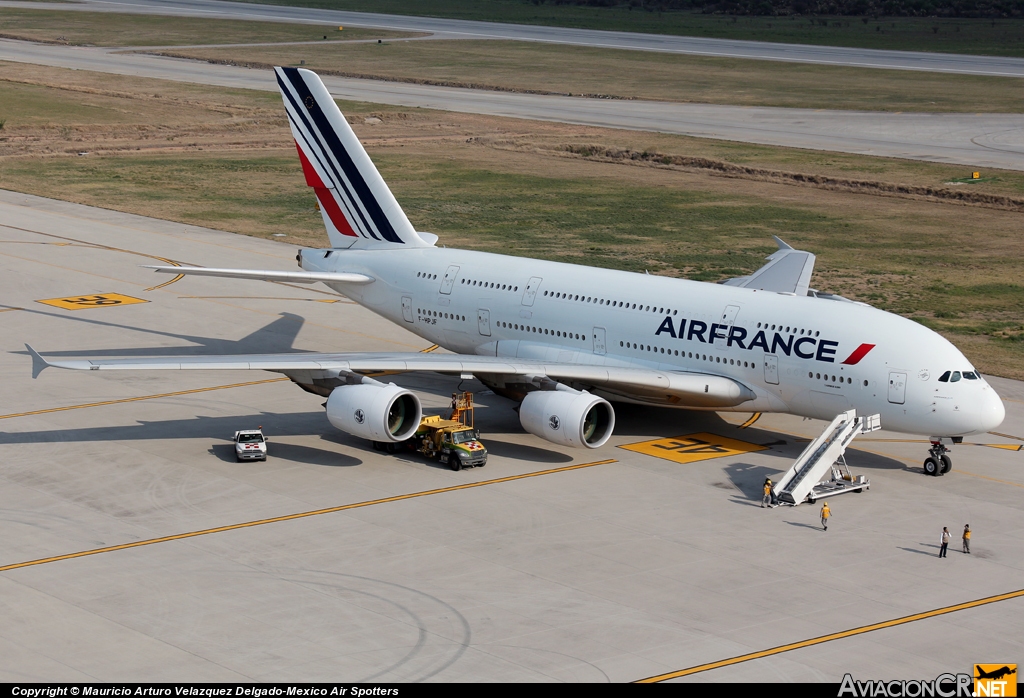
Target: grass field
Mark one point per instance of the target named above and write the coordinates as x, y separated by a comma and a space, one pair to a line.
110, 29
225, 159
1002, 37
526, 66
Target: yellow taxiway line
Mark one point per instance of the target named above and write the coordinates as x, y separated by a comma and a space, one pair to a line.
141, 397
302, 515
750, 422
833, 636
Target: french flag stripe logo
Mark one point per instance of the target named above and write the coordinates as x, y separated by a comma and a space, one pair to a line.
858, 354
317, 138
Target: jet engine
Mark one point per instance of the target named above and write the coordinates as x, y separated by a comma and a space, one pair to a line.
375, 411
568, 418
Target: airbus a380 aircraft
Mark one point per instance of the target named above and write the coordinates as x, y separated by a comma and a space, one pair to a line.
564, 339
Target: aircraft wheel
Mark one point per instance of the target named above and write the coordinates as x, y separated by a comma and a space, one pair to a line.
931, 466
947, 464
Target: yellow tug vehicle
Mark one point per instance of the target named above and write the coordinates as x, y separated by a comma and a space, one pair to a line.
454, 441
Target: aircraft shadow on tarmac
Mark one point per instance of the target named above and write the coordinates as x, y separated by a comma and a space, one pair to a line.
296, 453
276, 337
217, 429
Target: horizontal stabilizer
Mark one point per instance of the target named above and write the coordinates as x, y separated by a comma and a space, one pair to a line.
300, 277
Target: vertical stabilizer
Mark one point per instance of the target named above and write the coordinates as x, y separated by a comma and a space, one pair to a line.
357, 206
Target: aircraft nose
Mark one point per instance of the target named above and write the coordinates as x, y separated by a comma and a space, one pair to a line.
992, 410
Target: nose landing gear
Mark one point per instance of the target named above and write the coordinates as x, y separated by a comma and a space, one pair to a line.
938, 461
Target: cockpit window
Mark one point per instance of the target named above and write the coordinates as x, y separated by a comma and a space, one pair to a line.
955, 377
970, 375
944, 378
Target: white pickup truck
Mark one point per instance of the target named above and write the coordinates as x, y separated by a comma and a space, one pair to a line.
250, 444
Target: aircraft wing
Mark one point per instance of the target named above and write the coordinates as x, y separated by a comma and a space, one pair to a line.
687, 388
301, 277
788, 271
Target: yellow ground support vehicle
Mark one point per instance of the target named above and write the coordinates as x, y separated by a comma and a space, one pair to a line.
452, 441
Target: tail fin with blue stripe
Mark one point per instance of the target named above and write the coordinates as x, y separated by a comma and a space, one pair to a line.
357, 206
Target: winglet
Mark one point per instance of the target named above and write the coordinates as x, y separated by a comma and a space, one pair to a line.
781, 244
38, 362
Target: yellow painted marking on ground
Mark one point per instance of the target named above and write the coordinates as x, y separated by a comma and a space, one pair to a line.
7, 310
304, 514
753, 418
141, 397
693, 447
100, 300
833, 636
1007, 436
1008, 447
986, 477
99, 246
179, 277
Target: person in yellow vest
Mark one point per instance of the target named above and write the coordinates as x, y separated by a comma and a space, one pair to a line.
766, 500
967, 539
825, 514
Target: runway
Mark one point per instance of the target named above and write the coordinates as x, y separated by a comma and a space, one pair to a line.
136, 549
760, 50
972, 140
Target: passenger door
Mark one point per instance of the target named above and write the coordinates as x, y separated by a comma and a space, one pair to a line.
407, 308
483, 321
771, 369
449, 279
599, 343
727, 319
897, 387
531, 290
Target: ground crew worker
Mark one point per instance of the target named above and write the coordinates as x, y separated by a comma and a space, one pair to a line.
767, 499
967, 539
825, 513
944, 540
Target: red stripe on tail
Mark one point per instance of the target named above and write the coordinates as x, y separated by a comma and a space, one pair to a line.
858, 354
312, 178
334, 211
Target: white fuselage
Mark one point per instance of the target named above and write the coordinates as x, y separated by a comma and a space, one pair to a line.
809, 356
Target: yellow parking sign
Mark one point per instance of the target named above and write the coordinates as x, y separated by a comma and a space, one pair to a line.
693, 447
99, 300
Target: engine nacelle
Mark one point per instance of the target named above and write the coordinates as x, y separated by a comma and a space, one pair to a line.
375, 411
568, 418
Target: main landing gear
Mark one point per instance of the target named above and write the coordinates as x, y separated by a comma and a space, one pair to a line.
938, 461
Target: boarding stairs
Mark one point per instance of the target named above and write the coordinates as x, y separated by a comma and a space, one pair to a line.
804, 481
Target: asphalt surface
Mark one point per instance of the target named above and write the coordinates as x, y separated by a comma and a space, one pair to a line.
795, 53
973, 140
630, 567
